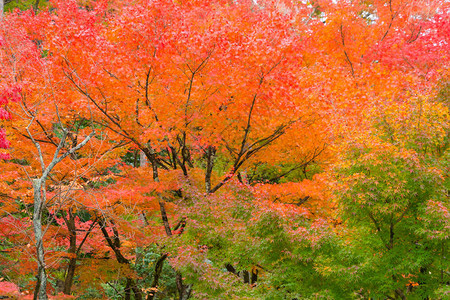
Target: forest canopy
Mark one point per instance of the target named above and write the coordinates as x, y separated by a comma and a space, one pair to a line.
270, 149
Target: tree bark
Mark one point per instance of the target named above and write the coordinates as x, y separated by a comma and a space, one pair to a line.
40, 198
143, 161
183, 289
157, 274
39, 203
36, 5
74, 250
69, 276
114, 244
70, 222
128, 290
210, 153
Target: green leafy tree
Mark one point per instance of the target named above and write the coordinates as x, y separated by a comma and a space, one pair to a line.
392, 188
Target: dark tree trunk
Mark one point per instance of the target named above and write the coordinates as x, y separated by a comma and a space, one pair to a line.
36, 5
114, 244
157, 274
210, 153
254, 276
128, 290
70, 222
69, 276
183, 290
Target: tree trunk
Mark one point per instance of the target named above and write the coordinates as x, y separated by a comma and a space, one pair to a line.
114, 244
69, 276
73, 249
210, 153
39, 202
40, 199
128, 290
70, 222
158, 269
183, 290
143, 161
36, 5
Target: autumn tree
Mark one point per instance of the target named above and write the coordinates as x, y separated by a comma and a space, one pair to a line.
196, 94
242, 110
45, 136
393, 182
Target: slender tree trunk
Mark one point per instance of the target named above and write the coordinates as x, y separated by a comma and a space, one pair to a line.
73, 249
128, 290
114, 244
254, 277
35, 5
40, 199
143, 161
210, 153
183, 289
400, 294
2, 7
70, 222
39, 203
157, 274
69, 276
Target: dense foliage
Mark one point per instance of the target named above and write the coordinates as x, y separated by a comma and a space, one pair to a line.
224, 149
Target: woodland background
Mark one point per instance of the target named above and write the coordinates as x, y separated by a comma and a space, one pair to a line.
224, 149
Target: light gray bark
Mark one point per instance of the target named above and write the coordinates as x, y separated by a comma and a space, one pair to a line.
142, 159
40, 201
